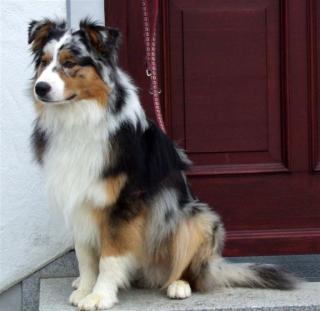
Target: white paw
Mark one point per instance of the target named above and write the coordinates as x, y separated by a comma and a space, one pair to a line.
77, 295
179, 290
97, 302
75, 283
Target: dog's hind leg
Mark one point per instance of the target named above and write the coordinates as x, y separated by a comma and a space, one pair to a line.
191, 243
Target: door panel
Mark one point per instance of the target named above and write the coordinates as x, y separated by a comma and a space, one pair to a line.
237, 66
240, 92
230, 100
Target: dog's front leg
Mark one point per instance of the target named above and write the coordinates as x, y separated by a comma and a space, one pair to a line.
114, 273
88, 268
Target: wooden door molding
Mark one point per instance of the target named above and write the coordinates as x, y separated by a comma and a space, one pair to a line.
276, 242
314, 69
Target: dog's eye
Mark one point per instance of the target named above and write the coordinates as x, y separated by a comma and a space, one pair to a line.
68, 64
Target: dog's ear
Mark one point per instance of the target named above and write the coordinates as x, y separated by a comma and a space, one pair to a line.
104, 40
39, 31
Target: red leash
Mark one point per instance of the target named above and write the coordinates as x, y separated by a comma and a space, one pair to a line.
151, 56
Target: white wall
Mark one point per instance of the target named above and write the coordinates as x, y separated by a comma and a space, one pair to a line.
78, 9
30, 234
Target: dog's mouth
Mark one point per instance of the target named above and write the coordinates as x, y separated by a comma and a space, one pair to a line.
46, 100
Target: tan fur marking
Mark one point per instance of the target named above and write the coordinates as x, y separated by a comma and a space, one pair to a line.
191, 235
93, 35
85, 83
114, 185
162, 255
41, 35
46, 58
66, 55
95, 39
122, 238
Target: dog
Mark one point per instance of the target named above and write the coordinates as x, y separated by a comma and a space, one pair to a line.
119, 181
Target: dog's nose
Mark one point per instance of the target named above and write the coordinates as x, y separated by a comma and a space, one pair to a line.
42, 88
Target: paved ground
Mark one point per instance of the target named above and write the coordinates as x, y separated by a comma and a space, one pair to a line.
54, 296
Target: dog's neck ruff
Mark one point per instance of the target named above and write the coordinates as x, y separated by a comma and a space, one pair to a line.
76, 153
60, 118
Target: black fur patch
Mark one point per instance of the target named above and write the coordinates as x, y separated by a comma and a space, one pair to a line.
162, 158
271, 276
86, 61
39, 140
127, 207
120, 94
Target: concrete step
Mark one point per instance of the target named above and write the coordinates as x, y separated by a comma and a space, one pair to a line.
304, 266
54, 295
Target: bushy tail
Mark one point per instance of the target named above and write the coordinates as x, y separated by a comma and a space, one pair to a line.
220, 273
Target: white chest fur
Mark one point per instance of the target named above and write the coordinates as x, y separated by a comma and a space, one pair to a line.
72, 164
74, 159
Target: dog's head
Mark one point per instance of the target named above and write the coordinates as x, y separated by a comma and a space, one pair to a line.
72, 65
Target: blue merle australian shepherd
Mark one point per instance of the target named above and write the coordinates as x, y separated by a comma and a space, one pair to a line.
119, 181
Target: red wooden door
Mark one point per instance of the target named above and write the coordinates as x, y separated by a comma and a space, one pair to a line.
241, 95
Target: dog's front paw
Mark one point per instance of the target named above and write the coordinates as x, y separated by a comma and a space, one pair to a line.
75, 283
97, 302
179, 290
77, 295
